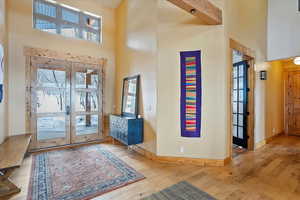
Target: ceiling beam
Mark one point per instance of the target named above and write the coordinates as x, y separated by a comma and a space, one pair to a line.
203, 9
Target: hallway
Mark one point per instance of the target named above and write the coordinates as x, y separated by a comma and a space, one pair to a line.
272, 172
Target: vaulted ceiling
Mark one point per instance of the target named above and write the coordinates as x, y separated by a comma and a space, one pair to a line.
110, 3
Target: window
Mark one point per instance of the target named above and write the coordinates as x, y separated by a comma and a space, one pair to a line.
52, 17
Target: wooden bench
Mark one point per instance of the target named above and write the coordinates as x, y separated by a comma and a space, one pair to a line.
12, 152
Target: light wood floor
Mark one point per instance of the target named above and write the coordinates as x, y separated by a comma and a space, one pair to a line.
272, 172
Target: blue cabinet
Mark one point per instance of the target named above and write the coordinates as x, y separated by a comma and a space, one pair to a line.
127, 130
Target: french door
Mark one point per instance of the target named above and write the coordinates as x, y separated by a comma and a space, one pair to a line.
240, 103
66, 102
86, 119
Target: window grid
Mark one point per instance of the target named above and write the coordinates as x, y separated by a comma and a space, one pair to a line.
63, 26
239, 124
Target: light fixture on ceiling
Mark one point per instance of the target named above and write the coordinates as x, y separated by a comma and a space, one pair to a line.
193, 11
297, 61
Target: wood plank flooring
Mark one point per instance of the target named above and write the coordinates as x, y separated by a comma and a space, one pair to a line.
270, 173
12, 151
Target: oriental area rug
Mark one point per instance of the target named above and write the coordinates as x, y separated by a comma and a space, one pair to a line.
78, 174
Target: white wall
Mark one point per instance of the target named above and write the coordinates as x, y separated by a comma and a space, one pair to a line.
22, 34
247, 24
137, 54
283, 29
181, 31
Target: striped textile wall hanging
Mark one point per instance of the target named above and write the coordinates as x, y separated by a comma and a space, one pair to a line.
190, 93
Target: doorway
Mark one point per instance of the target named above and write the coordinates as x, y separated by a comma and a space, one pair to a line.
241, 98
292, 101
65, 102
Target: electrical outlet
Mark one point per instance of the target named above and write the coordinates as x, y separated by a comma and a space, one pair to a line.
181, 149
274, 130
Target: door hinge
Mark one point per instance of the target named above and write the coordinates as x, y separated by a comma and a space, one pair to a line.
248, 113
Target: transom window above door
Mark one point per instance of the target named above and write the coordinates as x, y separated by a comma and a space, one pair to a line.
53, 17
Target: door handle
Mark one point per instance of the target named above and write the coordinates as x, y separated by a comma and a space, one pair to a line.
68, 110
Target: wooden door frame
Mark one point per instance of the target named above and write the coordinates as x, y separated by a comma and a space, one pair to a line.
249, 55
30, 52
51, 64
286, 70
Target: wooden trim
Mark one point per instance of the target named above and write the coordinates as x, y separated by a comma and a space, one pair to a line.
270, 139
46, 63
229, 107
203, 9
250, 56
47, 53
181, 160
227, 160
192, 161
260, 144
28, 100
267, 141
247, 52
251, 104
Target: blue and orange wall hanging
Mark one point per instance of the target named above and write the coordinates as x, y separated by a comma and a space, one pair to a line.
191, 90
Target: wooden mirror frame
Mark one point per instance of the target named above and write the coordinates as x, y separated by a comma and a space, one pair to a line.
135, 114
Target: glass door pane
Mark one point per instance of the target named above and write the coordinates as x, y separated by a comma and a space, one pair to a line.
86, 101
87, 124
87, 115
239, 103
50, 102
51, 127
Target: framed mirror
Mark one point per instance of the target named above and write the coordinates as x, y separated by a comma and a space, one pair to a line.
130, 95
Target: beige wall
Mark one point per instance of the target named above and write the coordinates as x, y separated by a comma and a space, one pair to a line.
148, 38
3, 41
275, 100
137, 54
22, 34
180, 31
247, 24
260, 106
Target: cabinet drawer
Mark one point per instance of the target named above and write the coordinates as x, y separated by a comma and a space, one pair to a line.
129, 131
118, 124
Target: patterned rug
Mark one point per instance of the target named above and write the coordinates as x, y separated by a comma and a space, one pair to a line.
78, 174
180, 191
